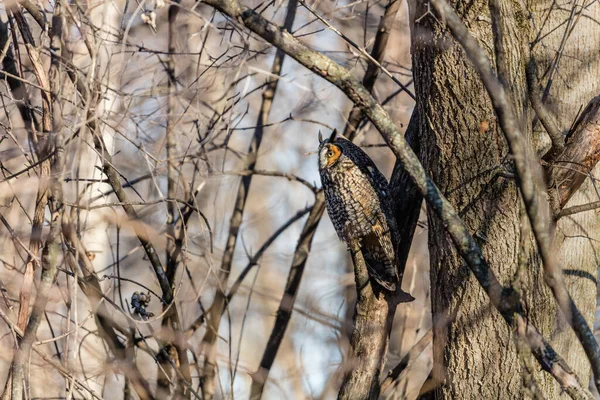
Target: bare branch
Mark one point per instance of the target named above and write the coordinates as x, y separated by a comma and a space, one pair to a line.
565, 212
544, 114
580, 156
32, 126
42, 146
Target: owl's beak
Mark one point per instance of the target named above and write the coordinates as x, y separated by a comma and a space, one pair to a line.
320, 137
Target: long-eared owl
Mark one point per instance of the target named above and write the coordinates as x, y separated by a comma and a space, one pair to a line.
359, 206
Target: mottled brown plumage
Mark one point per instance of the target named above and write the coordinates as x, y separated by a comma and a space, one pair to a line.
360, 206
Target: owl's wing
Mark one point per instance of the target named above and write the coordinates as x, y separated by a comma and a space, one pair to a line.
378, 247
384, 239
386, 206
380, 266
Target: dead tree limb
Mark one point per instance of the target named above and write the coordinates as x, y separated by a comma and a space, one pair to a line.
32, 126
580, 156
545, 116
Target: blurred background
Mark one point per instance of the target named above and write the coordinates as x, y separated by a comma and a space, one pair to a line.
220, 75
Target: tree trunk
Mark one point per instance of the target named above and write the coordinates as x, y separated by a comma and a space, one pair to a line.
464, 150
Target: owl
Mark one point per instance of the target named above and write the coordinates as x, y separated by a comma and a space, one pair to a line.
360, 207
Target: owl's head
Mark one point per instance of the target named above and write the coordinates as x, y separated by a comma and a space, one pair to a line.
329, 150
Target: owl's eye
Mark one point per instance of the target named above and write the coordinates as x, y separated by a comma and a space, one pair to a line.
332, 155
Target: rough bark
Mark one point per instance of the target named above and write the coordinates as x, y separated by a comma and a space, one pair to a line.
464, 149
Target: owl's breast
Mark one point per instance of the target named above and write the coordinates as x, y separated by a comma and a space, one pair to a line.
352, 204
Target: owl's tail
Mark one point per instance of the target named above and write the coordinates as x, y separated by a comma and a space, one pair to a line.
384, 273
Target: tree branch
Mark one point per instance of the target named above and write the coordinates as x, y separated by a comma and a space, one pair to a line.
580, 156
32, 126
49, 189
565, 212
545, 116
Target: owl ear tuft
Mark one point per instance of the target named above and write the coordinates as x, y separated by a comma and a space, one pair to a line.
333, 135
320, 137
